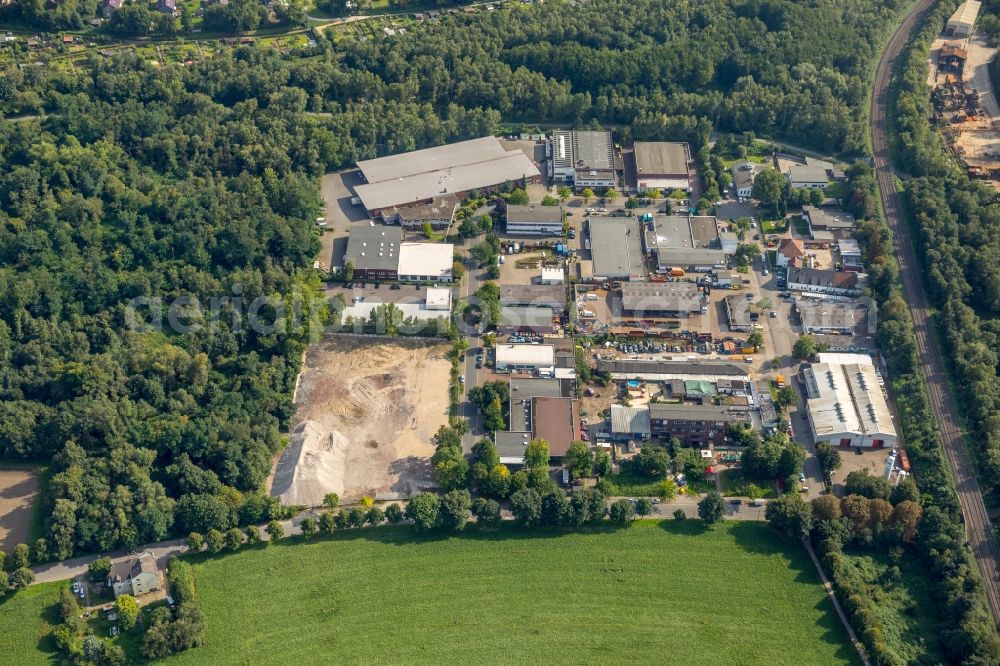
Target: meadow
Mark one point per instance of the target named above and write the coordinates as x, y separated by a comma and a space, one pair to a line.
669, 592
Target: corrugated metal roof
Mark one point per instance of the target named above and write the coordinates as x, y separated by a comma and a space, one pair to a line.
629, 420
537, 355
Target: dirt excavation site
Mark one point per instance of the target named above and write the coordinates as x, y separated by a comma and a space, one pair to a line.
365, 415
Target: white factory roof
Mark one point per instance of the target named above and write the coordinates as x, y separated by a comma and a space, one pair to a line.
438, 298
843, 396
552, 275
535, 355
364, 309
427, 259
630, 420
400, 180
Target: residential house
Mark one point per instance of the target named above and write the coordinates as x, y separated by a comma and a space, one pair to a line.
693, 425
791, 252
134, 576
834, 283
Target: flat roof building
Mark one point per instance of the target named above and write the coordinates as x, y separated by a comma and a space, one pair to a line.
373, 251
661, 371
523, 357
830, 317
814, 174
585, 158
535, 220
693, 425
662, 165
417, 177
527, 319
539, 295
823, 219
661, 299
630, 422
426, 262
539, 409
691, 243
738, 313
439, 213
845, 405
610, 247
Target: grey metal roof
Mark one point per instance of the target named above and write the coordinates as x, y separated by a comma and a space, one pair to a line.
522, 390
609, 244
539, 214
534, 316
547, 295
738, 311
688, 412
374, 248
401, 165
630, 420
512, 444
823, 278
661, 296
661, 158
696, 257
593, 149
823, 218
672, 368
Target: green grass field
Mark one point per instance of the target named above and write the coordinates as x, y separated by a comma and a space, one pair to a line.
665, 592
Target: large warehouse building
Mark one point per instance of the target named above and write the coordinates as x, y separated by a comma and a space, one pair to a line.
963, 20
420, 176
844, 403
379, 253
585, 159
662, 165
692, 243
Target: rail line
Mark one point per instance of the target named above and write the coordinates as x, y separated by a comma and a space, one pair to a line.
977, 523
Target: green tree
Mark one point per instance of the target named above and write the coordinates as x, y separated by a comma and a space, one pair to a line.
667, 490
393, 514
602, 463
536, 454
785, 398
579, 459
587, 194
742, 227
805, 347
550, 201
621, 512
518, 197
526, 505
829, 458
308, 527
21, 578
327, 523
195, 542
100, 568
770, 188
791, 515
374, 516
455, 507
234, 538
253, 534
20, 558
643, 506
486, 511
451, 469
427, 230
610, 194
349, 270
756, 339
214, 540
128, 611
826, 507
679, 514
331, 501
274, 530
423, 510
654, 194
711, 507
565, 192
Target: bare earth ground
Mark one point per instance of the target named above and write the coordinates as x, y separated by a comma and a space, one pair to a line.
366, 413
18, 488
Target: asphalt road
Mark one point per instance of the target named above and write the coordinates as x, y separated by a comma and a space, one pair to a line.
977, 522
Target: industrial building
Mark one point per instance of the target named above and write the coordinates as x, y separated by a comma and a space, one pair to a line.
817, 281
826, 225
418, 177
963, 21
378, 253
439, 213
692, 425
845, 405
814, 174
660, 299
850, 255
662, 165
738, 313
537, 295
629, 422
612, 251
540, 320
535, 220
689, 243
584, 159
661, 371
523, 357
539, 408
829, 317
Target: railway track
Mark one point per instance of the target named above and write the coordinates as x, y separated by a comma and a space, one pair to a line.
977, 523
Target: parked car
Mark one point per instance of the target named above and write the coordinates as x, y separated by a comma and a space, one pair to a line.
461, 379
772, 314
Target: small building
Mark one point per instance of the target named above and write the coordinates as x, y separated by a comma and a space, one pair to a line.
511, 357
814, 174
168, 7
425, 262
662, 165
134, 576
534, 295
729, 241
629, 423
791, 252
109, 7
738, 313
850, 255
439, 213
660, 299
963, 21
693, 425
534, 220
951, 59
845, 405
834, 283
743, 177
438, 298
823, 219
527, 319
727, 386
552, 276
665, 371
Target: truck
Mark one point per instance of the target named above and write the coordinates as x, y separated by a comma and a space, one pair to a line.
586, 313
780, 381
677, 271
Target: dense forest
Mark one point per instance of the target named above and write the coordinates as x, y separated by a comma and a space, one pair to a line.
956, 222
146, 181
